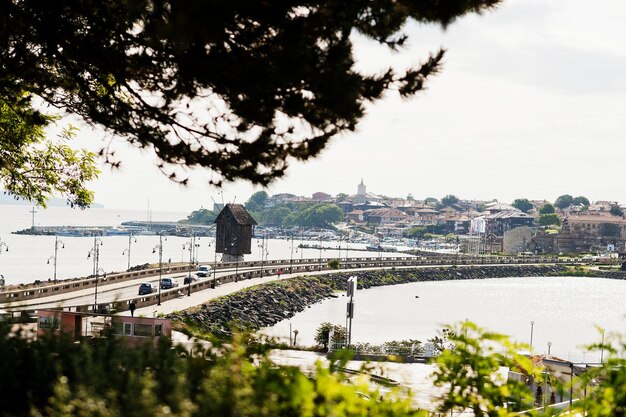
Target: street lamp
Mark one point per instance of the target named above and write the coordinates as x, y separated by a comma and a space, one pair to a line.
291, 258
160, 248
340, 239
262, 248
352, 287
95, 252
54, 257
187, 246
532, 325
190, 246
320, 260
104, 275
347, 248
127, 251
233, 242
195, 248
214, 284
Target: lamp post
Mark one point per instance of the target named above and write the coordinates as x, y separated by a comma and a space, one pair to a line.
104, 275
127, 251
160, 248
347, 248
187, 246
95, 252
266, 250
237, 268
340, 239
33, 211
214, 264
291, 258
54, 257
262, 247
320, 260
195, 247
214, 243
233, 242
352, 287
191, 245
532, 325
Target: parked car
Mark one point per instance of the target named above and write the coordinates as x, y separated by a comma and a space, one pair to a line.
189, 279
203, 271
146, 288
167, 283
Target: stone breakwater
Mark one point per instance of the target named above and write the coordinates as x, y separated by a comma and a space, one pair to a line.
267, 304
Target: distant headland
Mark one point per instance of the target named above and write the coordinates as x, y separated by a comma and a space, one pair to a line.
6, 198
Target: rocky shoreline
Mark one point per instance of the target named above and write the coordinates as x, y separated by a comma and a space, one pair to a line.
267, 304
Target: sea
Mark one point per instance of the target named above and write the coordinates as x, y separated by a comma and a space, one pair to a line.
567, 312
30, 258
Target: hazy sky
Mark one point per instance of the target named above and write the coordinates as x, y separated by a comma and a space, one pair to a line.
531, 103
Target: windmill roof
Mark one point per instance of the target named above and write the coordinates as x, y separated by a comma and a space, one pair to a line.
239, 213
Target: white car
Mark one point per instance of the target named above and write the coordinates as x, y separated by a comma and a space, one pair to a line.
203, 271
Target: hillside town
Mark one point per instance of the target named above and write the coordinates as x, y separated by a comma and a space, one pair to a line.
568, 225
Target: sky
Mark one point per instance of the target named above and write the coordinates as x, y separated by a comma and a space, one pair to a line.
531, 103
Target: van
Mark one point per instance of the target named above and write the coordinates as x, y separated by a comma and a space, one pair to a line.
167, 283
203, 271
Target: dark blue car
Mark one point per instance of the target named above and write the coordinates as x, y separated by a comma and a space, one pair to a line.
146, 288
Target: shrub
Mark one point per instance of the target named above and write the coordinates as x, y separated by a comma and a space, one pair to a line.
323, 331
57, 378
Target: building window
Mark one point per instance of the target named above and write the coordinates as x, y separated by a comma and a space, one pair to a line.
117, 327
120, 328
143, 330
51, 323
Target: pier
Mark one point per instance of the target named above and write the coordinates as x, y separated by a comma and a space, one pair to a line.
135, 228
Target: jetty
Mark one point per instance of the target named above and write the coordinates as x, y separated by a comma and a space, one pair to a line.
136, 228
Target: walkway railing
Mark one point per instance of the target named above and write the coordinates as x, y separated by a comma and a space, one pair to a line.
274, 267
270, 266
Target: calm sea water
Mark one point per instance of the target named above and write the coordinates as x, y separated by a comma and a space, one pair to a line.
27, 258
566, 311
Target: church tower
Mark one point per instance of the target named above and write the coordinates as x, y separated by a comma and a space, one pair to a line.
361, 188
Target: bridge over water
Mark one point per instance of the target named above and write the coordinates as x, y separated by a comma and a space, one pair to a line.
71, 295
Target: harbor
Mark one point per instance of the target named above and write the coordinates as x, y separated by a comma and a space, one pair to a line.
135, 228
